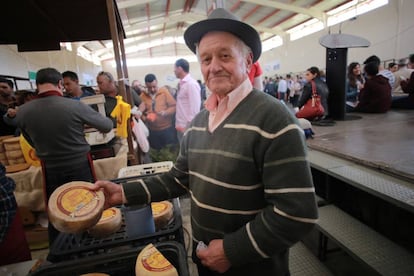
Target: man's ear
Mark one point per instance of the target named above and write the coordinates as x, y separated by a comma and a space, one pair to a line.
249, 62
60, 85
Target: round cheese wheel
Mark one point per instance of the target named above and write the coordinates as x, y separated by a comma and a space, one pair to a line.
17, 167
150, 262
109, 223
73, 208
162, 212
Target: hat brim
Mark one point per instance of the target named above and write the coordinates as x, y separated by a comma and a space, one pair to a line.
245, 32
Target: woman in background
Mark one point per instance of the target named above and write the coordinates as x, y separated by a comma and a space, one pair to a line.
313, 74
354, 83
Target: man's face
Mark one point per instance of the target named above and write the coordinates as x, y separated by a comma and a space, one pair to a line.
177, 71
152, 87
70, 85
5, 89
223, 64
104, 84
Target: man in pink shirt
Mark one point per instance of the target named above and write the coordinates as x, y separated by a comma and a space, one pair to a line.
188, 97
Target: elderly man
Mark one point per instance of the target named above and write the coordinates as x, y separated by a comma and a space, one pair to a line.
251, 189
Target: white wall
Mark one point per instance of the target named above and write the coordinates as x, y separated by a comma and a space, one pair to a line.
14, 63
390, 29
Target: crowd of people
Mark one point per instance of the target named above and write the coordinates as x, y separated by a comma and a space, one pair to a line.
248, 178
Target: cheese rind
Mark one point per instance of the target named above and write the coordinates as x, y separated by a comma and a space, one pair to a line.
150, 262
162, 212
109, 223
73, 207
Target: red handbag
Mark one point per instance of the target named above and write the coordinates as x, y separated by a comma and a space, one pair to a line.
313, 107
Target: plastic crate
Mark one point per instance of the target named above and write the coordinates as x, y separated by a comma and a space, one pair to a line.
121, 263
145, 169
71, 246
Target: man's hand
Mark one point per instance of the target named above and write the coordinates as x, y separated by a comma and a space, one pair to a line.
151, 116
213, 257
112, 191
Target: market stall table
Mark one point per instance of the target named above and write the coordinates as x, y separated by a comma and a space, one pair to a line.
29, 183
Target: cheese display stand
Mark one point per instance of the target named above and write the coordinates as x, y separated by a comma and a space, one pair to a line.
116, 263
77, 246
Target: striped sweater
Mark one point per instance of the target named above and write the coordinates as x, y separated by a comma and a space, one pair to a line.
249, 181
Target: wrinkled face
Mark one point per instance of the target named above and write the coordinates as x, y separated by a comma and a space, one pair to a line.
5, 89
224, 62
104, 84
70, 85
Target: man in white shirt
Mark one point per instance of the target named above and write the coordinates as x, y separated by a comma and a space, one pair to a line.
188, 97
282, 89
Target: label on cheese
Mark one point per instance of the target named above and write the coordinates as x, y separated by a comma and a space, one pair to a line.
74, 208
151, 262
107, 214
162, 212
77, 201
159, 207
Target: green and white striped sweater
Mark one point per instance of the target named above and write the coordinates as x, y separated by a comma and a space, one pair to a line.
249, 181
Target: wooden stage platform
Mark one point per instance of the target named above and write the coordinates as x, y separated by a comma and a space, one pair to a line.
381, 141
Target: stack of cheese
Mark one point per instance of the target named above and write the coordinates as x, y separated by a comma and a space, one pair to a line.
13, 151
3, 157
109, 223
150, 262
74, 208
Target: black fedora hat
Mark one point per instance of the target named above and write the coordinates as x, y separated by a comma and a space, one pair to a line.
222, 20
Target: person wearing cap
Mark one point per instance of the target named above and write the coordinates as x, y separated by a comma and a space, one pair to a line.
242, 160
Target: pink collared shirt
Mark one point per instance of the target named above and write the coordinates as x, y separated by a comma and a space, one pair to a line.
220, 109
